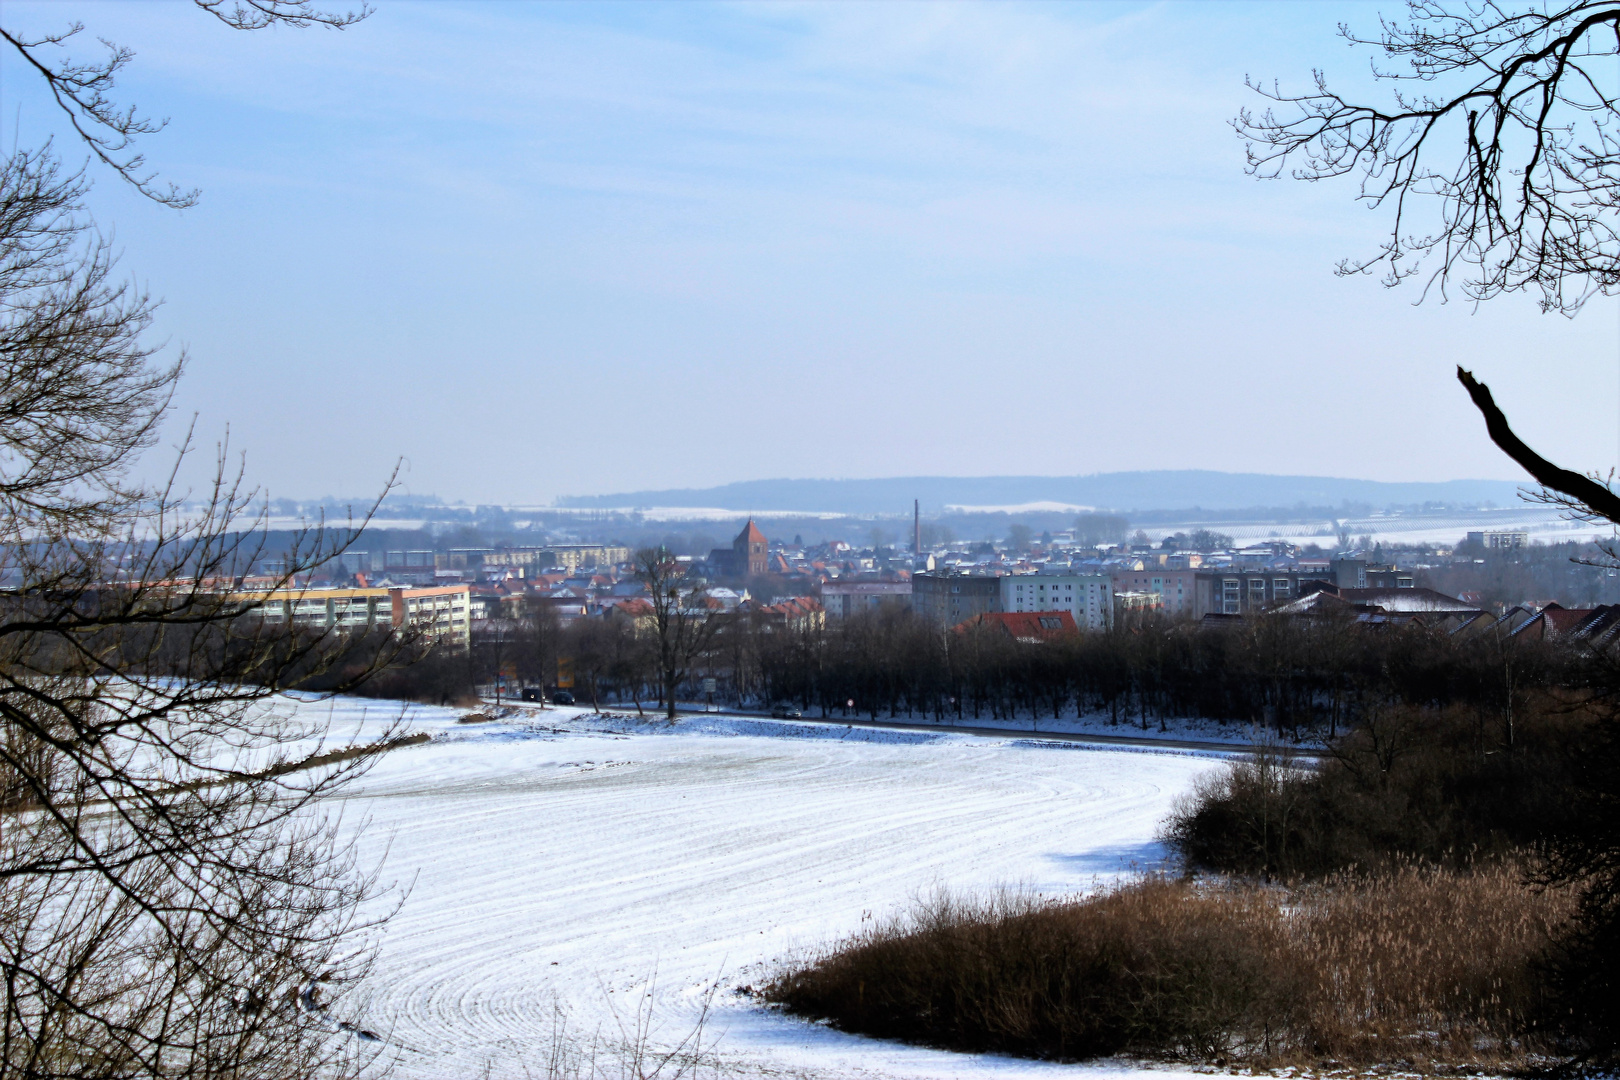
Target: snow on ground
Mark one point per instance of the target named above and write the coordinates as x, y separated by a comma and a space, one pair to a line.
1173, 729
564, 859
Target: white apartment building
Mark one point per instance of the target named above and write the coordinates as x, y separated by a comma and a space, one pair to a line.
444, 612
1176, 589
1500, 539
1088, 597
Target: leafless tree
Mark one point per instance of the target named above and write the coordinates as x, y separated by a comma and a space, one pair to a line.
683, 623
1498, 155
1503, 130
174, 900
1503, 122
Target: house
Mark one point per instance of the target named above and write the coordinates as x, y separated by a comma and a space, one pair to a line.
1322, 597
636, 611
1026, 627
1396, 598
798, 613
1502, 625
1598, 624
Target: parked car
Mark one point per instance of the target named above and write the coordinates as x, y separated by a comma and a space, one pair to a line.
785, 712
562, 697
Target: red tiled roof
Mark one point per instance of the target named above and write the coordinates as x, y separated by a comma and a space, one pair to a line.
1025, 625
751, 534
1562, 620
797, 605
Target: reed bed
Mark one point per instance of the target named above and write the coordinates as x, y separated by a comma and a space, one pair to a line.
1427, 967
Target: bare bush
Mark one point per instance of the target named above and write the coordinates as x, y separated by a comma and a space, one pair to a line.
1439, 785
1427, 966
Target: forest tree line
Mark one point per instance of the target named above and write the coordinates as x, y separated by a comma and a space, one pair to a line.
1288, 675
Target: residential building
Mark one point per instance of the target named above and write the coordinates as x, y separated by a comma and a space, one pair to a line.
1389, 577
635, 610
583, 556
461, 558
948, 599
1028, 627
841, 599
1322, 595
1132, 605
1087, 597
1237, 590
444, 612
1173, 587
1500, 539
799, 613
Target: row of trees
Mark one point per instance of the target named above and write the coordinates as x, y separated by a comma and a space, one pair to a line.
1286, 675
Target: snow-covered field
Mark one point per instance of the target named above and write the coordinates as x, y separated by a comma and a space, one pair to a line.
559, 859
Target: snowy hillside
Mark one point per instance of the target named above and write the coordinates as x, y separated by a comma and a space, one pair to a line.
569, 867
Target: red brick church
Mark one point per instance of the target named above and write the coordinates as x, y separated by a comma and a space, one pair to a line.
747, 556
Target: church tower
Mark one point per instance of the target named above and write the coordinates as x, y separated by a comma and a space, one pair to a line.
749, 551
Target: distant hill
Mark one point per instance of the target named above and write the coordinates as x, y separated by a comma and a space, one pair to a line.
1122, 491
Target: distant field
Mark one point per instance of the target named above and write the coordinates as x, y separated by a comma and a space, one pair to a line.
571, 868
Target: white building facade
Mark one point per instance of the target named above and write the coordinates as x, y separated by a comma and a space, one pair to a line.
1088, 597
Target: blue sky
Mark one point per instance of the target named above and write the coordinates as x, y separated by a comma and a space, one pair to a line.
556, 248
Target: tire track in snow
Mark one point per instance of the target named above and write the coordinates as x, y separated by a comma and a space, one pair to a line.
535, 878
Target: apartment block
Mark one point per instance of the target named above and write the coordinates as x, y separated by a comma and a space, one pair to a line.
1242, 590
445, 611
1171, 591
1500, 539
1087, 597
947, 599
841, 599
584, 556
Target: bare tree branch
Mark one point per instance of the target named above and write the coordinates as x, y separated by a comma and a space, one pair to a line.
1514, 150
1597, 499
84, 90
172, 895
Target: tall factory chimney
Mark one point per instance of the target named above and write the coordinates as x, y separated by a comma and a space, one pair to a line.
916, 527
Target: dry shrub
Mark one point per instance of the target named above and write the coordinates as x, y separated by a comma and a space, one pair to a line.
1432, 784
1418, 965
1427, 965
1152, 965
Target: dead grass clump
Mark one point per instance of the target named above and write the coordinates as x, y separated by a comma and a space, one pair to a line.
1154, 965
1422, 966
1426, 964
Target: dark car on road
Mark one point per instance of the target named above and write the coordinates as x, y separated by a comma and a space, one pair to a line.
785, 712
562, 697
